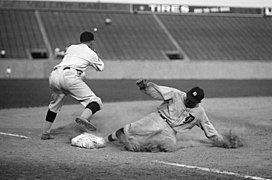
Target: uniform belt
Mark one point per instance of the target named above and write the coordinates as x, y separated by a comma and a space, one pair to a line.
67, 67
79, 71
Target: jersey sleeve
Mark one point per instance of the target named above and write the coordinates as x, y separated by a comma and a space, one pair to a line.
159, 92
207, 126
96, 62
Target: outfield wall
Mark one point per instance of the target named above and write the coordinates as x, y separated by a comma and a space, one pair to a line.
149, 69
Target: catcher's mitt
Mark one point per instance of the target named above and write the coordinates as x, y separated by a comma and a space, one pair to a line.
230, 140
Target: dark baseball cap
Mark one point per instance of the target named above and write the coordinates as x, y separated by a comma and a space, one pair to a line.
86, 37
196, 94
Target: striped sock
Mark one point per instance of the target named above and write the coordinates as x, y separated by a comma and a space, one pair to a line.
112, 137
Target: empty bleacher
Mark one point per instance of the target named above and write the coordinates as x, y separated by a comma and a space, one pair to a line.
138, 36
128, 37
222, 37
19, 33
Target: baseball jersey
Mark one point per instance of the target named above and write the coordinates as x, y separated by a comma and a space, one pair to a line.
80, 56
178, 116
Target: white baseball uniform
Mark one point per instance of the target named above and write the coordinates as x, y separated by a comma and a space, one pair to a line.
158, 129
66, 78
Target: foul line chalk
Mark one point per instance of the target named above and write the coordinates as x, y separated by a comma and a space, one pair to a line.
14, 135
211, 170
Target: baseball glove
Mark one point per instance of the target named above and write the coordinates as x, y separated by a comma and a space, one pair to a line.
141, 83
230, 140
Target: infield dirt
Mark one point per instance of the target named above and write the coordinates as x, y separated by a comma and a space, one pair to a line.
31, 158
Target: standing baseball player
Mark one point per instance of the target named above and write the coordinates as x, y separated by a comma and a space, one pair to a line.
157, 131
67, 79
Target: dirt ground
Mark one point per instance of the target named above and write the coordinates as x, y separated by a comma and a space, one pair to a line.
31, 158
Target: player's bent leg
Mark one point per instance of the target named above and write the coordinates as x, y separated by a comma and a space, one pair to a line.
117, 135
120, 136
149, 134
90, 109
83, 94
93, 106
133, 138
50, 118
57, 100
167, 143
164, 141
151, 145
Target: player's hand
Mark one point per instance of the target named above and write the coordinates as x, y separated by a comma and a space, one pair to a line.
232, 140
229, 140
141, 83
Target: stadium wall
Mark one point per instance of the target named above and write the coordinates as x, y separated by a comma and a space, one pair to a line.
28, 69
197, 7
233, 3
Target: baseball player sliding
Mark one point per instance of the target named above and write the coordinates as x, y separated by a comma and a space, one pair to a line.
67, 79
178, 112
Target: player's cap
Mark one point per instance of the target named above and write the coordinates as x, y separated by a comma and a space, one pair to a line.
196, 94
86, 37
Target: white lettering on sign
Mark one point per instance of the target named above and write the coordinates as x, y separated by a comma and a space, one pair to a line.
173, 8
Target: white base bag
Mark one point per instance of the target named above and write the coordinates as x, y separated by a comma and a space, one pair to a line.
89, 141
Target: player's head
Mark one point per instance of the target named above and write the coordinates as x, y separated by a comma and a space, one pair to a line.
87, 38
194, 96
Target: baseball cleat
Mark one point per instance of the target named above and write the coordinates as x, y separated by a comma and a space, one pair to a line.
46, 136
85, 123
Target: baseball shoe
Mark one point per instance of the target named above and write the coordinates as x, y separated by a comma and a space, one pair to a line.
85, 123
46, 136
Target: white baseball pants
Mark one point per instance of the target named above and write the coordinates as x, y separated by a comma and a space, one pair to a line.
68, 82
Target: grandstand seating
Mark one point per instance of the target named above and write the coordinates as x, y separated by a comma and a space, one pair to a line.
128, 37
139, 36
19, 33
221, 37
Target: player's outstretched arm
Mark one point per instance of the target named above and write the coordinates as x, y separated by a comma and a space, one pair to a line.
211, 133
156, 91
149, 88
